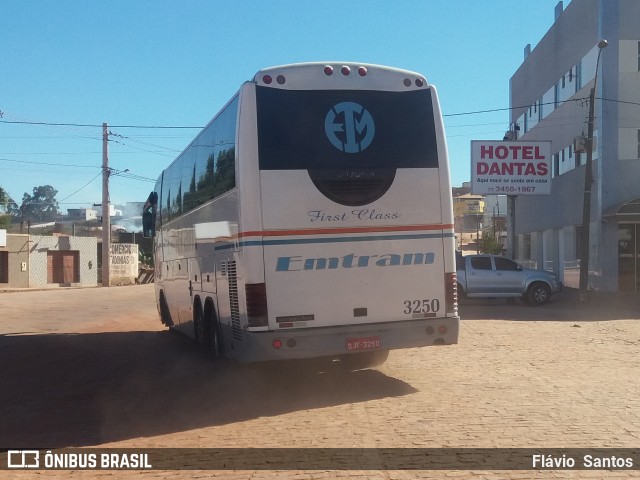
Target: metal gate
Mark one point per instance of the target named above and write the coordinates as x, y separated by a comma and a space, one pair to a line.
63, 266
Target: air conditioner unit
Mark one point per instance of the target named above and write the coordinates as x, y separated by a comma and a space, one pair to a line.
580, 144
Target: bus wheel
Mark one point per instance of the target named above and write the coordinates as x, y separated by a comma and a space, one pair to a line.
213, 332
198, 325
359, 361
165, 315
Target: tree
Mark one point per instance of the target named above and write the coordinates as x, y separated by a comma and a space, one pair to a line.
42, 206
489, 244
7, 207
7, 204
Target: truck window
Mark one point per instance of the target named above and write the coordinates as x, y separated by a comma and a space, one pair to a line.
481, 263
506, 264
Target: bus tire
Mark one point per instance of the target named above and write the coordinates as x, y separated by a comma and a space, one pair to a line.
538, 294
165, 314
212, 331
362, 360
198, 324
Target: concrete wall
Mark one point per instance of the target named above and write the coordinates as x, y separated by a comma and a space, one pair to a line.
40, 245
18, 259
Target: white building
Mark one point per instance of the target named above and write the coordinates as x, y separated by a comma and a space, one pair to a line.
549, 97
82, 214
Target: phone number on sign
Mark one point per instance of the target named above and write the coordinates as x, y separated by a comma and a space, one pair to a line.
512, 189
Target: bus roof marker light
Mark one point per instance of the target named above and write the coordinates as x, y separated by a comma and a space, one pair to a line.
419, 82
280, 79
362, 71
277, 344
345, 70
407, 82
328, 70
267, 79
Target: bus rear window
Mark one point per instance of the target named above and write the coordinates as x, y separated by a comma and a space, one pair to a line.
343, 129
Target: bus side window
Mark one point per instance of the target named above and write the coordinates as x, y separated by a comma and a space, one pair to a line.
149, 216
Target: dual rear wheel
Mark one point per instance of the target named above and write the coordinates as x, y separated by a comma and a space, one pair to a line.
206, 329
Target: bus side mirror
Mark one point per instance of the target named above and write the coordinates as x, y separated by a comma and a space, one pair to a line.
148, 225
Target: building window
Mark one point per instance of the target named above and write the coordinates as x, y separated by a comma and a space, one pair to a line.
570, 74
563, 81
556, 165
556, 96
540, 117
639, 56
638, 143
579, 158
578, 76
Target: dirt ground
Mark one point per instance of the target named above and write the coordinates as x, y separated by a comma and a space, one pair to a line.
95, 368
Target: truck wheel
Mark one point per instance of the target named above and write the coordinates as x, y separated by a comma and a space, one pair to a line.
538, 294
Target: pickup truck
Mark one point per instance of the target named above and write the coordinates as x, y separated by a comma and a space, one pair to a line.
493, 276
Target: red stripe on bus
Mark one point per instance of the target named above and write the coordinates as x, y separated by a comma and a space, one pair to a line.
337, 230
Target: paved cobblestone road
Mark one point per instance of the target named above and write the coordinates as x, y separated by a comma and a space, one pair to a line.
94, 367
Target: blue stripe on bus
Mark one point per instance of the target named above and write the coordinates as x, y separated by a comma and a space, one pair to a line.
307, 241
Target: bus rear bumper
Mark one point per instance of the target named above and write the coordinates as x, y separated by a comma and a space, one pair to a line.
343, 340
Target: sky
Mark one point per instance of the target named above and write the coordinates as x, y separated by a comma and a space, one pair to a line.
67, 67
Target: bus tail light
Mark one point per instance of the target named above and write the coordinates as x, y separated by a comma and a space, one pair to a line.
257, 313
451, 292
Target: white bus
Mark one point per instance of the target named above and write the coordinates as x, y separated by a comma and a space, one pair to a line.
311, 219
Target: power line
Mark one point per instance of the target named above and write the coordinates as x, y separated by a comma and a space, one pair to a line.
99, 173
169, 127
90, 125
132, 176
49, 164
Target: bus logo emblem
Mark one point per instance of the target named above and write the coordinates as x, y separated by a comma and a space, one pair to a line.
349, 127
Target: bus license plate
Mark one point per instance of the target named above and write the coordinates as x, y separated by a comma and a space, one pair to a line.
364, 343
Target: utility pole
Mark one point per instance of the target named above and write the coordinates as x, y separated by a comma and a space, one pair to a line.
588, 181
511, 135
106, 219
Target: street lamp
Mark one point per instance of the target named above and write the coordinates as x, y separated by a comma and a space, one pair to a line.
588, 180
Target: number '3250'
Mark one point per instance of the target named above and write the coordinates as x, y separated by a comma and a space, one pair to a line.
421, 306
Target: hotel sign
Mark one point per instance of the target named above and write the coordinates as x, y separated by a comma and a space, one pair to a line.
511, 168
